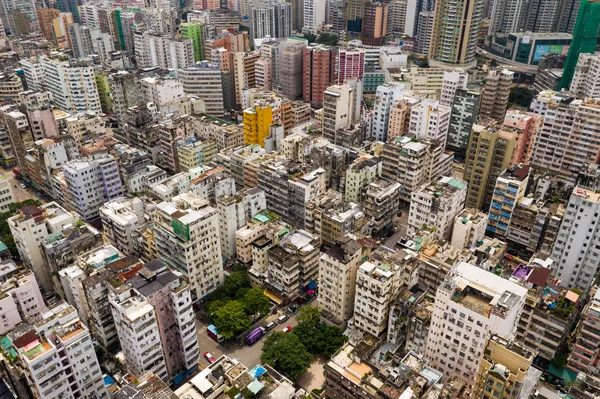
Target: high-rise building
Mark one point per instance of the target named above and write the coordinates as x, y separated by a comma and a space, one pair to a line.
430, 120
185, 223
574, 254
397, 10
423, 38
203, 79
124, 91
507, 17
453, 80
495, 94
585, 354
465, 108
355, 15
569, 12
272, 19
314, 13
586, 79
244, 73
469, 228
122, 221
319, 64
508, 191
80, 40
542, 16
91, 183
585, 38
455, 33
384, 98
340, 106
495, 146
351, 64
335, 15
45, 17
193, 31
375, 24
291, 78
435, 205
470, 305
502, 370
157, 50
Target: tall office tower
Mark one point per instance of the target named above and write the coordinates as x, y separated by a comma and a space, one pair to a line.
187, 223
290, 81
585, 38
351, 64
425, 30
336, 17
465, 109
375, 27
341, 107
542, 16
496, 148
567, 142
503, 369
204, 80
569, 12
507, 16
45, 17
509, 190
386, 95
314, 13
272, 19
72, 85
430, 120
586, 79
355, 14
193, 31
495, 94
319, 63
297, 15
60, 343
91, 183
575, 258
337, 274
474, 304
80, 40
453, 80
455, 33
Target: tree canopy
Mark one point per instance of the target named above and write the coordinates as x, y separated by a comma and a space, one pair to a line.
520, 96
286, 354
328, 39
230, 319
255, 301
316, 336
310, 37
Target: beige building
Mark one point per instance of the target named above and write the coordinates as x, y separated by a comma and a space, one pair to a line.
495, 94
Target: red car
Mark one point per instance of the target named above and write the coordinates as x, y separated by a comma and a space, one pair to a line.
209, 357
287, 329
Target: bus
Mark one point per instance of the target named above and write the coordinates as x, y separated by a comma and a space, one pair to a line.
214, 334
255, 335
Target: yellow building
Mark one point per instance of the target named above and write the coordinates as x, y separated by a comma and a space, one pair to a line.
502, 370
256, 123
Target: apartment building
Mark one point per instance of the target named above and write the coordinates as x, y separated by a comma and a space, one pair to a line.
453, 80
329, 217
429, 120
400, 114
586, 76
574, 253
380, 201
469, 228
30, 227
123, 220
584, 354
158, 50
436, 205
503, 369
6, 193
362, 172
186, 230
341, 107
351, 64
124, 91
495, 146
509, 190
385, 96
19, 135
196, 153
203, 79
21, 296
465, 108
469, 305
319, 64
494, 98
91, 183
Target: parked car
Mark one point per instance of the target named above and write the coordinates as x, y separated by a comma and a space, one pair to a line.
287, 329
283, 319
23, 186
209, 357
270, 326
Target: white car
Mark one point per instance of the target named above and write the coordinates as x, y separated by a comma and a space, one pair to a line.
23, 186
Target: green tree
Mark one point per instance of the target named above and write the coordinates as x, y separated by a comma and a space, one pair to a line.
255, 301
286, 354
560, 360
234, 282
310, 316
330, 340
213, 306
328, 39
230, 319
520, 96
310, 37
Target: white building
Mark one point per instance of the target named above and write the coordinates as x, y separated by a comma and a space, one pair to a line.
60, 345
452, 80
471, 304
20, 297
71, 279
161, 92
6, 193
156, 50
586, 79
385, 96
376, 288
187, 238
575, 256
203, 79
123, 221
234, 212
469, 228
338, 109
72, 84
34, 73
337, 280
436, 205
91, 183
430, 120
314, 13
31, 227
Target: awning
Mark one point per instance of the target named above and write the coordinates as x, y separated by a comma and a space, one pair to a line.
16, 172
272, 297
312, 285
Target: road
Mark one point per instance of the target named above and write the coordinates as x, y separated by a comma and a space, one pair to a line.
402, 223
20, 193
508, 64
247, 355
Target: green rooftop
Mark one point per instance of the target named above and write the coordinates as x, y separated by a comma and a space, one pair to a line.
3, 247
